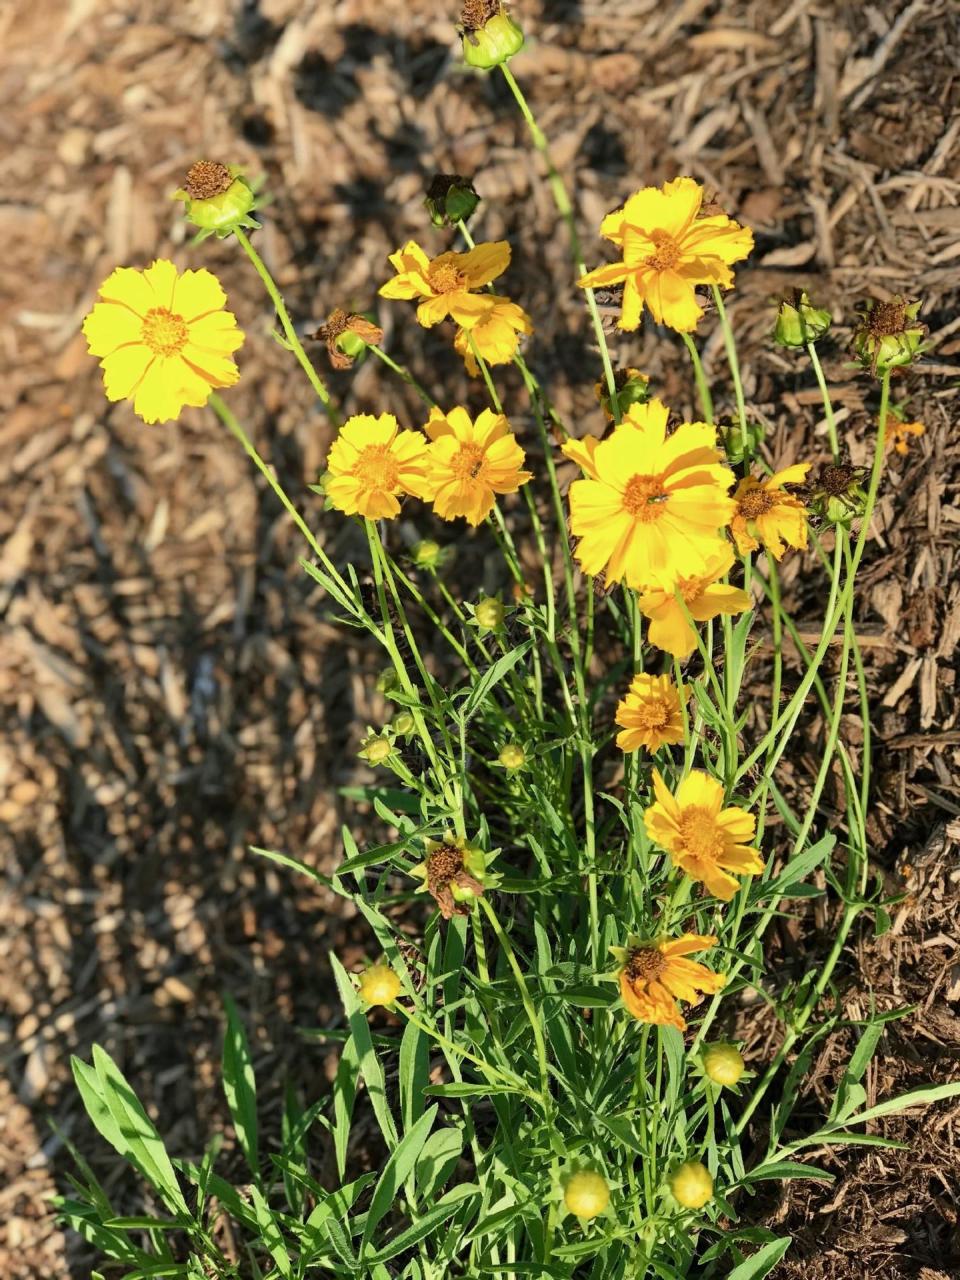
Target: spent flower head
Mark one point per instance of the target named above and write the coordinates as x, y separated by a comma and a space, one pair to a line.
490, 36
346, 337
632, 387
455, 873
655, 973
889, 335
800, 322
835, 493
218, 199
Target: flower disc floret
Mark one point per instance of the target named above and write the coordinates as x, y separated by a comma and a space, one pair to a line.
708, 842
668, 247
163, 339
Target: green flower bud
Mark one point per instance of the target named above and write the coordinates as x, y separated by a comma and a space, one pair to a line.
490, 36
723, 1064
799, 322
586, 1194
387, 681
889, 336
376, 749
738, 445
691, 1184
512, 756
450, 199
490, 614
633, 387
217, 198
403, 724
428, 555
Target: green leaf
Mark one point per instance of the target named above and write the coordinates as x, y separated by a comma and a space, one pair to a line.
762, 1262
284, 860
490, 678
116, 1111
83, 1219
240, 1087
414, 1074
797, 869
395, 1173
437, 1161
915, 1098
270, 1232
344, 1096
422, 1228
785, 1170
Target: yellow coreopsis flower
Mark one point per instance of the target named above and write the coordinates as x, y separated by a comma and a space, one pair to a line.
650, 715
767, 513
668, 248
495, 336
447, 283
898, 438
704, 596
705, 840
656, 974
469, 463
652, 506
163, 339
372, 463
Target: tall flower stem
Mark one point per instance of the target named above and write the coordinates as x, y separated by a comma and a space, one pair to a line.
296, 346
703, 387
827, 402
561, 199
402, 372
730, 344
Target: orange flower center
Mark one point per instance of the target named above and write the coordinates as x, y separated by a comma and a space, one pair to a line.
644, 964
164, 332
667, 252
469, 463
645, 497
755, 502
444, 277
377, 468
700, 834
652, 715
691, 588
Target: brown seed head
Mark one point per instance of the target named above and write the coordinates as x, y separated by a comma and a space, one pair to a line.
836, 478
885, 319
755, 502
644, 964
207, 178
475, 14
444, 865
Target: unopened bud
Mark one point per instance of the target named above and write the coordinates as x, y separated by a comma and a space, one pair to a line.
799, 322
512, 756
376, 750
692, 1185
723, 1064
379, 985
450, 199
586, 1194
490, 613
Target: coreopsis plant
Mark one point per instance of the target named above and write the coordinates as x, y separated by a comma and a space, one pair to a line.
600, 719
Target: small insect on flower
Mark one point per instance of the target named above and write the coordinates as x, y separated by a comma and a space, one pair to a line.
371, 464
705, 840
889, 335
218, 199
899, 436
490, 36
723, 1064
455, 873
655, 974
651, 714
691, 1185
668, 248
704, 596
766, 513
495, 338
346, 337
447, 283
470, 462
586, 1194
379, 985
163, 338
653, 505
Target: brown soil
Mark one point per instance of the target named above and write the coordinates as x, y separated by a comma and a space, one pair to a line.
171, 687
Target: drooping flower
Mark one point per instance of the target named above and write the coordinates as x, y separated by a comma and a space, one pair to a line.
667, 249
705, 597
654, 975
653, 505
650, 715
455, 873
767, 513
372, 463
447, 283
469, 463
495, 336
346, 337
899, 433
704, 839
163, 339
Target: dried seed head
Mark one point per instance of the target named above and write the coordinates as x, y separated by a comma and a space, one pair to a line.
475, 14
207, 178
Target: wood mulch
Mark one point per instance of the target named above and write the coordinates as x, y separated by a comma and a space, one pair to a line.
171, 686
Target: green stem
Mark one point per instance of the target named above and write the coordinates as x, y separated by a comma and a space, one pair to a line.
703, 387
402, 372
827, 402
731, 349
561, 199
291, 334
